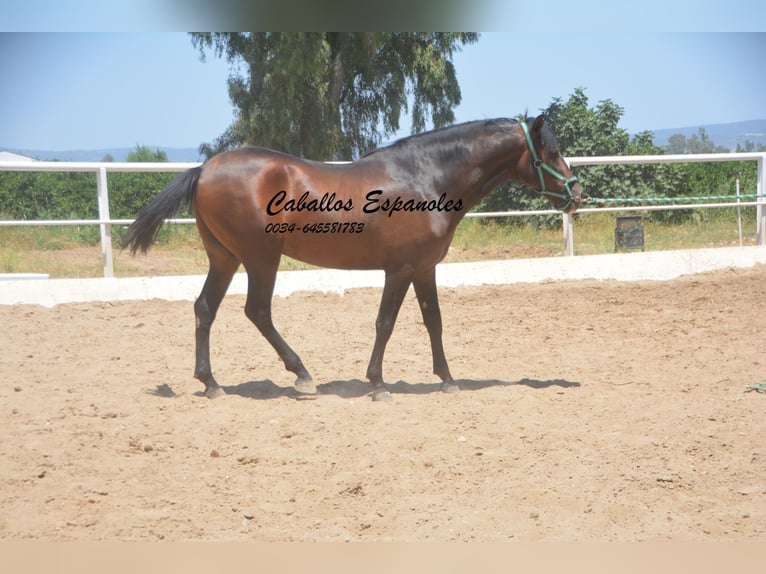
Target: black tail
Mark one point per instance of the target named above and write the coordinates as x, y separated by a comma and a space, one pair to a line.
177, 195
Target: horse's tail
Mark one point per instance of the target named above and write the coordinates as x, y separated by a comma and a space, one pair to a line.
177, 195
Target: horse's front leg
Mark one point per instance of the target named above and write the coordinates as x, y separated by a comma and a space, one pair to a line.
394, 290
428, 299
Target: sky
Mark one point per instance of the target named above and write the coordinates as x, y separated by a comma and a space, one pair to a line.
76, 90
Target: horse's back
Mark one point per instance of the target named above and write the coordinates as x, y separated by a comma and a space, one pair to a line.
330, 215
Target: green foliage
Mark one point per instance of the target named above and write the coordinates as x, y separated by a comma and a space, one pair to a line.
41, 195
593, 131
333, 95
706, 179
73, 195
144, 154
696, 143
129, 192
747, 146
719, 179
585, 131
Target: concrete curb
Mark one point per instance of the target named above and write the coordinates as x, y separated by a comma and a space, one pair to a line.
654, 266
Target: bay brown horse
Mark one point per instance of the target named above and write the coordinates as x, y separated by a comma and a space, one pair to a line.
394, 209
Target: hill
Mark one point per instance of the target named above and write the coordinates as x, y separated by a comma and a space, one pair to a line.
726, 135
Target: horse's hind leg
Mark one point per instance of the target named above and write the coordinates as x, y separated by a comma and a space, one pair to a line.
425, 291
261, 276
223, 265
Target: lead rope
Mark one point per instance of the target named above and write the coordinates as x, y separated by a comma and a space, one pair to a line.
667, 200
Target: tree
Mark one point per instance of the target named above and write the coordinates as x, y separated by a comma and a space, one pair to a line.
144, 154
582, 131
130, 191
701, 143
747, 146
696, 143
710, 178
333, 95
676, 144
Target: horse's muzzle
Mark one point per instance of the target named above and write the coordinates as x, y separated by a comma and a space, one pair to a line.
574, 200
574, 204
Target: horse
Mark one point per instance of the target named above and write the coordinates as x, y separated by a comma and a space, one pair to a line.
395, 209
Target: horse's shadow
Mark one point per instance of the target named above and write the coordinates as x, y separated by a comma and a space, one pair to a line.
356, 388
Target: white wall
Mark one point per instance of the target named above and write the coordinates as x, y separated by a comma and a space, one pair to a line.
654, 265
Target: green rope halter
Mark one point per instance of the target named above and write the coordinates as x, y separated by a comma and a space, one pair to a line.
540, 166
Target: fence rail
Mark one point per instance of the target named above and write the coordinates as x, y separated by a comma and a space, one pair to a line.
105, 222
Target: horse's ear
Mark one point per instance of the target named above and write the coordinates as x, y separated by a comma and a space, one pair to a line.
537, 126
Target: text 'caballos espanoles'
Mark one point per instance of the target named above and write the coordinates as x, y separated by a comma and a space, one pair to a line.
375, 202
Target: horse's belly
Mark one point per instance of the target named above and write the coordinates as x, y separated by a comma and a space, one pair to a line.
338, 251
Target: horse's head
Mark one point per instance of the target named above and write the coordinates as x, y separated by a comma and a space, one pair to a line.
543, 166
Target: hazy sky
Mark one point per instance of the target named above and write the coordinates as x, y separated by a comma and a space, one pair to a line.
78, 90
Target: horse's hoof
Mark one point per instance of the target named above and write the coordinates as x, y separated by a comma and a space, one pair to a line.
214, 392
450, 388
306, 386
382, 397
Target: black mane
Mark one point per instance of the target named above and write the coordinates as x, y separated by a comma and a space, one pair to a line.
440, 135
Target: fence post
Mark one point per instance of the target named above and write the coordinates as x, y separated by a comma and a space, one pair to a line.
568, 224
106, 227
760, 210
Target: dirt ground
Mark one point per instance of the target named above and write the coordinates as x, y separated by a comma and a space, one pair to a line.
590, 411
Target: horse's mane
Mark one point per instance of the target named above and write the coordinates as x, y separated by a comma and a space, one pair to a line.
440, 135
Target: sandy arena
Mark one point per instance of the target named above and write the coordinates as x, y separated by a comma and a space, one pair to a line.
590, 411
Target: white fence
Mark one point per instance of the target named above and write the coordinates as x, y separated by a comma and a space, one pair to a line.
105, 222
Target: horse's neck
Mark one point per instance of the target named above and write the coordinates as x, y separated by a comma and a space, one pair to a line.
466, 167
488, 165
